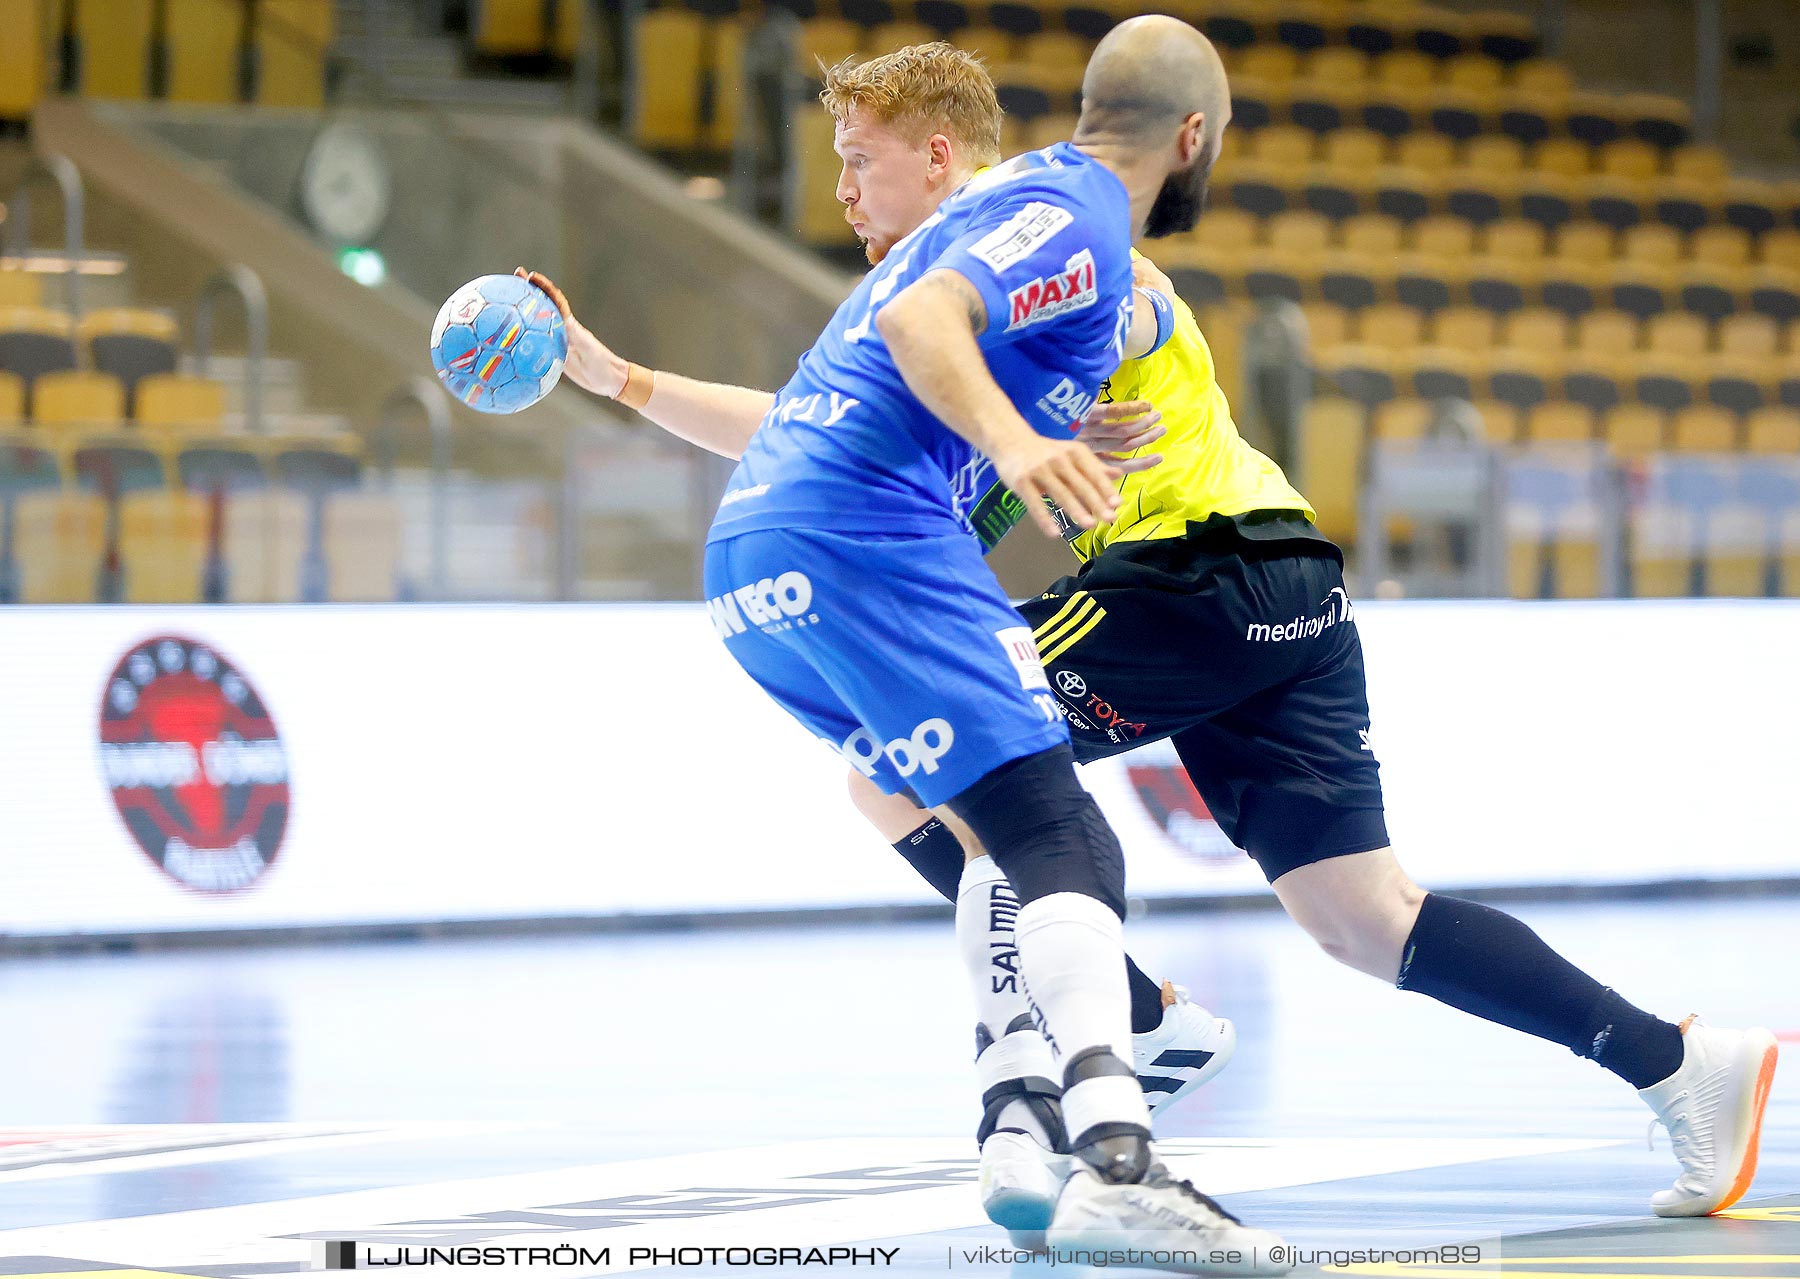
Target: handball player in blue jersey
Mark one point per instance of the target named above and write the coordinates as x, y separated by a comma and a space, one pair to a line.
843, 573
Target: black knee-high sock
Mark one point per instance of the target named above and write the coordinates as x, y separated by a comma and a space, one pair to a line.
936, 854
1485, 962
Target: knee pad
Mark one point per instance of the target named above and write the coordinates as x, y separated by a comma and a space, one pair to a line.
1044, 830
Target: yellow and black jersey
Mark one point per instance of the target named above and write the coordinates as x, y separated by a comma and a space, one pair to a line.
1207, 468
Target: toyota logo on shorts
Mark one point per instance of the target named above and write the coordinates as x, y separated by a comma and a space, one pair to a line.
1071, 683
195, 766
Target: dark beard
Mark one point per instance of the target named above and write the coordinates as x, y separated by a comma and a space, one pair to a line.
1179, 203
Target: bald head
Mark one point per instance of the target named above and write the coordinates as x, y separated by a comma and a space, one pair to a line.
1146, 78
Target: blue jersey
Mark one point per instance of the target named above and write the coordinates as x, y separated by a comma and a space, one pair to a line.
1045, 237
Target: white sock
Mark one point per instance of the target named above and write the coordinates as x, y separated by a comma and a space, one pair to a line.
987, 912
1073, 951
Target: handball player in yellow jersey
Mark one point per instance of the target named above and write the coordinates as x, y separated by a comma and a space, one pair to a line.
1210, 611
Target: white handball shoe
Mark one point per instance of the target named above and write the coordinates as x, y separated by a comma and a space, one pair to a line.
1713, 1109
1020, 1181
1189, 1048
1173, 1225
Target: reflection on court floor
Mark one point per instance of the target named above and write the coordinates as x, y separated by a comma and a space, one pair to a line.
674, 1102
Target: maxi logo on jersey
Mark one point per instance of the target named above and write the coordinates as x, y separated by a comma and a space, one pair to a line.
772, 604
1047, 297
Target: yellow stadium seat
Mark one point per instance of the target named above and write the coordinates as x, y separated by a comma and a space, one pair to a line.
1373, 235
1634, 431
130, 343
1499, 420
202, 38
509, 27
1464, 328
827, 40
566, 26
725, 96
1780, 248
162, 546
1442, 235
1283, 144
1275, 63
668, 47
12, 398
1227, 230
1474, 73
1525, 532
1773, 430
1704, 428
263, 543
1056, 49
292, 37
1575, 561
1700, 164
1652, 242
1609, 333
1331, 451
20, 288
1391, 326
1735, 553
1047, 130
1430, 152
77, 396
1300, 232
1405, 69
1564, 156
1358, 149
362, 547
1585, 242
1749, 335
1490, 154
890, 36
1337, 64
59, 540
1631, 159
1404, 420
22, 69
113, 43
176, 400
1544, 81
1326, 325
991, 44
1676, 333
1724, 246
1662, 552
1538, 328
1559, 422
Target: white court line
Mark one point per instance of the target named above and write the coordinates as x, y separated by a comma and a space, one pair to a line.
737, 1198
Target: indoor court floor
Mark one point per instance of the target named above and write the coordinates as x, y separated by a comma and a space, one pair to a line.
216, 1111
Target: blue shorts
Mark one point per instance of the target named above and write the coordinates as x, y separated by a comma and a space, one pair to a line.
901, 652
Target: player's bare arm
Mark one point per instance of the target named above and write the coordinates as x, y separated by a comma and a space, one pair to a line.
930, 328
718, 417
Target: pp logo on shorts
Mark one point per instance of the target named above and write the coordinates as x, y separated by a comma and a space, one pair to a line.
929, 743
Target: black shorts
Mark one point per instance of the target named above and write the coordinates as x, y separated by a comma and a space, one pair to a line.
1237, 642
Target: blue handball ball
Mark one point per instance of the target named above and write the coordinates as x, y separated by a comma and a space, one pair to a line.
499, 344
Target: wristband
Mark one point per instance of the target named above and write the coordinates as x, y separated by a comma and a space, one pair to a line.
1165, 317
640, 384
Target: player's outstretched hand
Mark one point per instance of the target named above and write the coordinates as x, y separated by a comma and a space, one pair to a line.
1115, 431
591, 364
1066, 472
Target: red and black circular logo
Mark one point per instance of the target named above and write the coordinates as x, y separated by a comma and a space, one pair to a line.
194, 764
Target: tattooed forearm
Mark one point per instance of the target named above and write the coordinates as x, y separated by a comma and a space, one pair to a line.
967, 295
